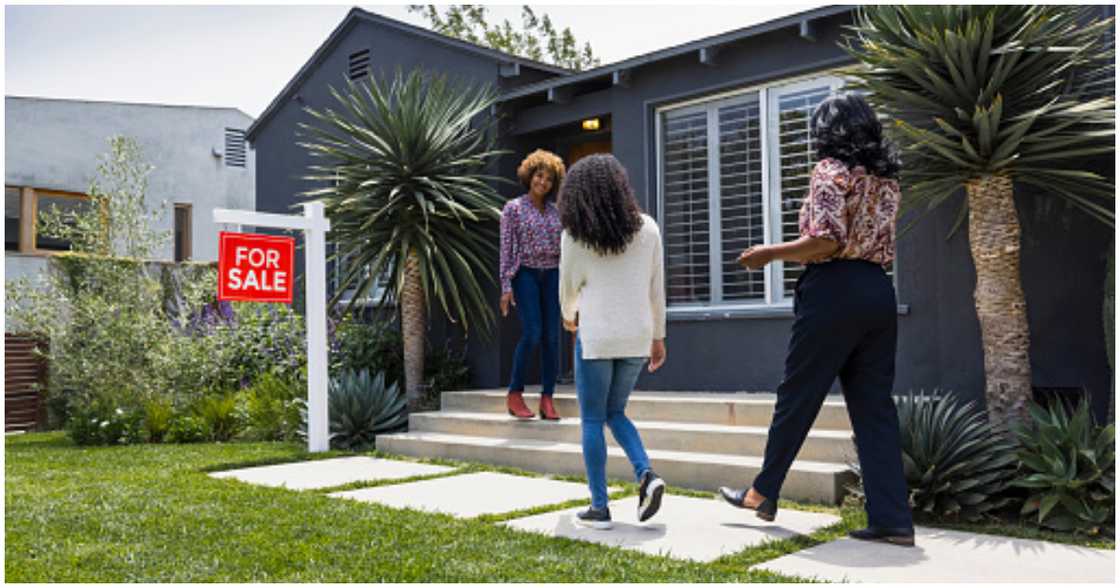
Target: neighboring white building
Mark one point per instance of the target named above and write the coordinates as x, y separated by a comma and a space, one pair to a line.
200, 157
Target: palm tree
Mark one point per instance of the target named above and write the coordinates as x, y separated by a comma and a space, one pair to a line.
988, 98
407, 198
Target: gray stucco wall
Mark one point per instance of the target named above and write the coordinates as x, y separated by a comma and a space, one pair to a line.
55, 144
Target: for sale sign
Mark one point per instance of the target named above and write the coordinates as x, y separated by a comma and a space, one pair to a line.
255, 268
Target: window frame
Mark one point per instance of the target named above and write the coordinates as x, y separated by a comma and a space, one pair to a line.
767, 95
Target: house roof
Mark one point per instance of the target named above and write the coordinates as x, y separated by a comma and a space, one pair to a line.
119, 103
357, 14
683, 49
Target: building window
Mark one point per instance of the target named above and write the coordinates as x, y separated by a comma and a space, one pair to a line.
12, 205
24, 206
182, 232
732, 173
372, 297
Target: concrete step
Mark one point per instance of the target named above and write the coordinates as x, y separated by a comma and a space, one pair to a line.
732, 408
808, 481
831, 446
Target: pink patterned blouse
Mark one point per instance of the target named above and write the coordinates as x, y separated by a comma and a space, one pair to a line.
530, 238
853, 208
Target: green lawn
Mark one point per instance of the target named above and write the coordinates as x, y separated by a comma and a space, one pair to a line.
150, 513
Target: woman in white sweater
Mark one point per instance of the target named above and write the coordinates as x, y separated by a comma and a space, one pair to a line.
612, 295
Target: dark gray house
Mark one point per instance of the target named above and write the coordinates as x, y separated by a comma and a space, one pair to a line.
714, 134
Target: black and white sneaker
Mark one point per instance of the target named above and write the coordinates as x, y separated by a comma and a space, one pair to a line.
595, 518
649, 495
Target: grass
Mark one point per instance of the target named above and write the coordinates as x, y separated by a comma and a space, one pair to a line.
150, 513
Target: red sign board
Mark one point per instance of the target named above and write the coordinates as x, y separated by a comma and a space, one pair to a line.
255, 268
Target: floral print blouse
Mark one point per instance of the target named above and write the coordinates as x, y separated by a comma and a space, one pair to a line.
530, 238
853, 208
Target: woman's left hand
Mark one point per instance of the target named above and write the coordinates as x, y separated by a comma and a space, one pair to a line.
756, 257
571, 326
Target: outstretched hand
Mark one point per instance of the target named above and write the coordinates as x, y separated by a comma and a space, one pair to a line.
755, 257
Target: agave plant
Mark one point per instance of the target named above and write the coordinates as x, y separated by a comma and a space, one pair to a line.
954, 466
360, 408
402, 165
1069, 465
985, 98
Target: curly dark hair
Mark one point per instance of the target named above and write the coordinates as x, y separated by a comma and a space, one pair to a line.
542, 160
845, 128
597, 205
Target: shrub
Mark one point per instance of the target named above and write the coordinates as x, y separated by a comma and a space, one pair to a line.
360, 408
101, 424
955, 466
1069, 465
271, 407
220, 416
187, 428
157, 419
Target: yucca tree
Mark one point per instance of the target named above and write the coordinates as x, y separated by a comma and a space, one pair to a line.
404, 161
987, 98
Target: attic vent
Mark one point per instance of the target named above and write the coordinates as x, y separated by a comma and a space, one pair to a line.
235, 148
359, 65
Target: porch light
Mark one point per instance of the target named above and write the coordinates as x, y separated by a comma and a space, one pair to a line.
590, 124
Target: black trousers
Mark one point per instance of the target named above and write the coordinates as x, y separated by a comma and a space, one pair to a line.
846, 325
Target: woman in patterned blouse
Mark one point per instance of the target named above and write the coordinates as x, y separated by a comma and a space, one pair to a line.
530, 258
845, 317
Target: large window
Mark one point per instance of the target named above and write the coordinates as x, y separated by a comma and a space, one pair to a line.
733, 171
341, 266
23, 206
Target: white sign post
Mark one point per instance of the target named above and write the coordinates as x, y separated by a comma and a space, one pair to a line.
314, 225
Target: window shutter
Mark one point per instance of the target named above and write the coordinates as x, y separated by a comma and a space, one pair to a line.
742, 217
358, 65
235, 148
685, 216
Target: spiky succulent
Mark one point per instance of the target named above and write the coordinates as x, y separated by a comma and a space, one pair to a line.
1068, 463
955, 466
360, 408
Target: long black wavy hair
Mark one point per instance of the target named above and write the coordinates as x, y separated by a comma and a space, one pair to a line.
597, 204
845, 128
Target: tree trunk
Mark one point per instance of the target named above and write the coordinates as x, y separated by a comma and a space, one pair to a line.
994, 237
413, 327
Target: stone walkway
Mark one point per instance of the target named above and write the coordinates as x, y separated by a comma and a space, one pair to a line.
694, 528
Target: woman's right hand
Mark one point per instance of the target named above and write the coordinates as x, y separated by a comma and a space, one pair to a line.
657, 355
506, 302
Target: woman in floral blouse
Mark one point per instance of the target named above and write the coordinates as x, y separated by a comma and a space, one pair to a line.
846, 317
530, 245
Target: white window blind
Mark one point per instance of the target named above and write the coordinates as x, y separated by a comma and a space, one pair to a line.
794, 157
742, 217
685, 207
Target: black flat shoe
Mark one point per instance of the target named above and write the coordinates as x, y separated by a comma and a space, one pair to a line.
900, 537
766, 511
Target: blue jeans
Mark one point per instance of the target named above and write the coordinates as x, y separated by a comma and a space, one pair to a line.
603, 387
536, 293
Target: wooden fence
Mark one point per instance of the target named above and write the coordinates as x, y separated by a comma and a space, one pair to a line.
25, 380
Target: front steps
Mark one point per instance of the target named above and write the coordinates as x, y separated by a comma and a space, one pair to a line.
694, 440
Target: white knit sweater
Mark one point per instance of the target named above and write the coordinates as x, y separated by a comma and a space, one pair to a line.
620, 298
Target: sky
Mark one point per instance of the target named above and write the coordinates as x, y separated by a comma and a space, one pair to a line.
242, 56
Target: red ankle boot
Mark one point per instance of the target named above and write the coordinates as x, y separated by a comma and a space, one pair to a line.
516, 406
548, 411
